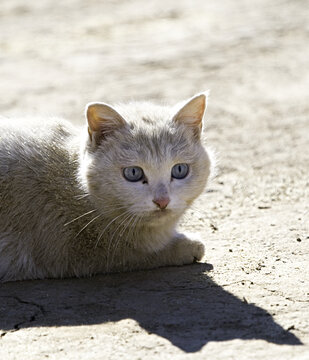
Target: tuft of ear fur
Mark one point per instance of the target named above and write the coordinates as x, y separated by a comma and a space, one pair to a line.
102, 120
191, 114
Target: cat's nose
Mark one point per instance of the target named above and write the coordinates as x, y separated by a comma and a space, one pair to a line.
162, 202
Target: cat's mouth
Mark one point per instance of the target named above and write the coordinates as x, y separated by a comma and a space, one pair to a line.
160, 214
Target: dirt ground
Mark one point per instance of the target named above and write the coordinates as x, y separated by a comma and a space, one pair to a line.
249, 300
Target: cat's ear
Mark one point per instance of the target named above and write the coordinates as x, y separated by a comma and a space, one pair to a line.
102, 120
191, 114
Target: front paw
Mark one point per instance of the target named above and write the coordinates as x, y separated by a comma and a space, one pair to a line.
186, 251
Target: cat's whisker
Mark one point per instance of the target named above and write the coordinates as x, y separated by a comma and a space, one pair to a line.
131, 232
79, 197
107, 226
133, 228
84, 227
79, 217
112, 210
82, 196
110, 243
128, 219
124, 229
135, 224
121, 223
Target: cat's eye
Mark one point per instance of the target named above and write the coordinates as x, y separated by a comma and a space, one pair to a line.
180, 171
133, 173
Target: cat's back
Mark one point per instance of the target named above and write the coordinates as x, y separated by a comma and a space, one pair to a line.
32, 136
33, 150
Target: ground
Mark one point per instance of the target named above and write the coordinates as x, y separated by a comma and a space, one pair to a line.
249, 298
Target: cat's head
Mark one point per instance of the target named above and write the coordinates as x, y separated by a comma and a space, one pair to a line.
144, 159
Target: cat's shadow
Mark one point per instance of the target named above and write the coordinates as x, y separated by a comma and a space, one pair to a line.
181, 304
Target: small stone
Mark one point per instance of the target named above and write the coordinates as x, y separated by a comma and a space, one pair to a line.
263, 207
214, 227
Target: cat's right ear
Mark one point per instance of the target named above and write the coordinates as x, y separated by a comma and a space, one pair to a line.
192, 112
102, 120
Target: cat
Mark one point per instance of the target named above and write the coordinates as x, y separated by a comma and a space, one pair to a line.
76, 202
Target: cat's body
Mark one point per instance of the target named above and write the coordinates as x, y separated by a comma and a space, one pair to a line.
77, 203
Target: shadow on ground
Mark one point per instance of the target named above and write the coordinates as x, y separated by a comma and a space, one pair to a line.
182, 305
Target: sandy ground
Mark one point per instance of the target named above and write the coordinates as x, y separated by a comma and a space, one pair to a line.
249, 300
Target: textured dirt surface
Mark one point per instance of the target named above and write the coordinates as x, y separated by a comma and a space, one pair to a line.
249, 300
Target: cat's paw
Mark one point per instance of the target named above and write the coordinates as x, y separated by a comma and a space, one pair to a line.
186, 251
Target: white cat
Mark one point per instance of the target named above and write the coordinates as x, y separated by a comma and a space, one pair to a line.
76, 202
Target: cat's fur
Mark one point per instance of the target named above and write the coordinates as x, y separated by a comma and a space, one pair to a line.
67, 210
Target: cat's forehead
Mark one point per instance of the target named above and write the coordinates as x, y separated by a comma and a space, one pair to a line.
157, 145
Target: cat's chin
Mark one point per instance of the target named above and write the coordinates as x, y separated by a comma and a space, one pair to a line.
158, 217
161, 213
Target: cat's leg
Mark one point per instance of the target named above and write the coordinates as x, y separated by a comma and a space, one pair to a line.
182, 249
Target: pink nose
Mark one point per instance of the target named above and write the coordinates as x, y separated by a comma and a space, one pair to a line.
162, 202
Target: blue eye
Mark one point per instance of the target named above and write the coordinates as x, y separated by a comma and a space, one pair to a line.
133, 173
180, 171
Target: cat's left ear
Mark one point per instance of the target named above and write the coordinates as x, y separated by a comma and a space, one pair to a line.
191, 114
102, 119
